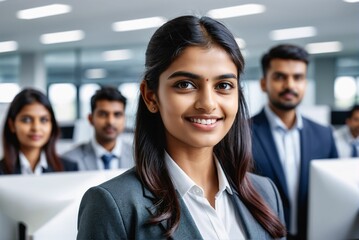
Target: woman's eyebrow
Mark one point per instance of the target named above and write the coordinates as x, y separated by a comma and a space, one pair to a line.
197, 77
226, 76
185, 74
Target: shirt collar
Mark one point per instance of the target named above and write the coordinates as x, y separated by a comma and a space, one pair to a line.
183, 183
100, 150
350, 137
222, 179
276, 123
25, 164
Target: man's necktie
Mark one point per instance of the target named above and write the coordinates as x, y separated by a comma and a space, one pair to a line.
354, 150
106, 158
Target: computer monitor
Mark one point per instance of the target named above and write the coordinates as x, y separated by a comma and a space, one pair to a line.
334, 199
48, 204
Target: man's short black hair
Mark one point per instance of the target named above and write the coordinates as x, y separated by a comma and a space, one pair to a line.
352, 110
284, 51
107, 93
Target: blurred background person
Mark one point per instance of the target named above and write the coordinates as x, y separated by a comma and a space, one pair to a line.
29, 137
107, 150
347, 136
284, 142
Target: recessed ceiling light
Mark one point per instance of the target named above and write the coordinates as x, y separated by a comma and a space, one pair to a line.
351, 1
8, 46
95, 73
324, 47
236, 11
117, 55
44, 11
292, 33
60, 37
137, 24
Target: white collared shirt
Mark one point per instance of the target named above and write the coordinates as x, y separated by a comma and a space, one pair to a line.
100, 151
26, 168
287, 142
222, 222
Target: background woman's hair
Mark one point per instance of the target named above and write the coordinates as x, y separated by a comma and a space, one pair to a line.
11, 143
234, 151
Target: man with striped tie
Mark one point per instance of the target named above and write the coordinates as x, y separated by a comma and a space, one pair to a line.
106, 150
347, 137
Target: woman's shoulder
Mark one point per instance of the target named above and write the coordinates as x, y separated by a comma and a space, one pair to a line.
126, 183
69, 165
2, 166
264, 186
257, 179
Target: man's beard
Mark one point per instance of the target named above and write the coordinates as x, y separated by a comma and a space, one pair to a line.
285, 106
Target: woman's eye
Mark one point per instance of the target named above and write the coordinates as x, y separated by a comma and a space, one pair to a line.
44, 120
224, 86
26, 119
185, 85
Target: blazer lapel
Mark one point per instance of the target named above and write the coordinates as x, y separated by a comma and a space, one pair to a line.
89, 157
305, 143
47, 170
251, 228
18, 167
265, 137
187, 228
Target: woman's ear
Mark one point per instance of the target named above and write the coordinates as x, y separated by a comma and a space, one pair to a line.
11, 125
149, 97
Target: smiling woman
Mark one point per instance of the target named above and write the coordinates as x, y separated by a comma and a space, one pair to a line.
192, 149
29, 136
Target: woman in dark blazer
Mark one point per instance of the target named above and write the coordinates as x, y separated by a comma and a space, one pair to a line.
192, 149
29, 137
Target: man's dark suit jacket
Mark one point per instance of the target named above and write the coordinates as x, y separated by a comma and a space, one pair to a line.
120, 209
316, 142
68, 166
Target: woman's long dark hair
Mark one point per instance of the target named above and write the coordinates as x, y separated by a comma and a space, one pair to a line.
11, 143
233, 151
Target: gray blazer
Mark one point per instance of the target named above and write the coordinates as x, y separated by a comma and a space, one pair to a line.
120, 207
85, 157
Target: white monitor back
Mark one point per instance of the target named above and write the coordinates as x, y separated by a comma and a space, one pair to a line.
47, 204
334, 199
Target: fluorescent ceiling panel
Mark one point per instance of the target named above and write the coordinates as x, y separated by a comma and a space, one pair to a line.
95, 73
60, 37
292, 33
44, 11
351, 1
236, 11
324, 47
117, 55
8, 46
138, 24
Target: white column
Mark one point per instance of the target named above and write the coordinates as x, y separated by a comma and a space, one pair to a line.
32, 71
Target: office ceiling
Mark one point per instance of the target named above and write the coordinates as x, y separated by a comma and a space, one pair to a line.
335, 20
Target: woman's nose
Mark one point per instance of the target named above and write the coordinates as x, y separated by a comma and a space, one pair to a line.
206, 100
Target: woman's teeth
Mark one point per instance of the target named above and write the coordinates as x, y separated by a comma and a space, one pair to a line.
203, 121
